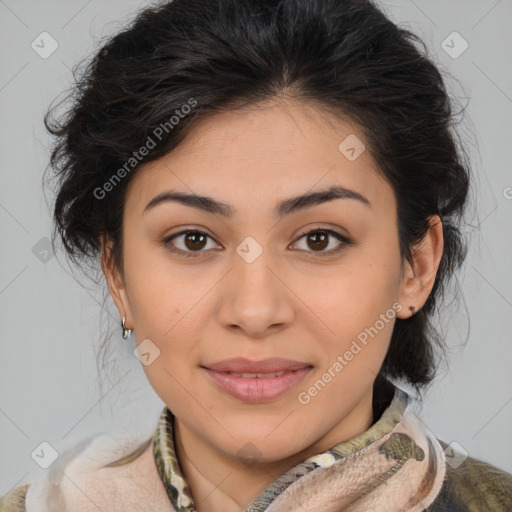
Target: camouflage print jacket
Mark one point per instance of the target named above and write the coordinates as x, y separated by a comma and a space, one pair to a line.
395, 465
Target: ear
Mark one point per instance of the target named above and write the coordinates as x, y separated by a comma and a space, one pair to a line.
115, 281
418, 280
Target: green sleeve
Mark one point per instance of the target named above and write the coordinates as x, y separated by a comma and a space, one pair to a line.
474, 486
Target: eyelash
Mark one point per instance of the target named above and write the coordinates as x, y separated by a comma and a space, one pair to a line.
195, 254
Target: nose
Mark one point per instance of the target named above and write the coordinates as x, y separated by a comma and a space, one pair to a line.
255, 298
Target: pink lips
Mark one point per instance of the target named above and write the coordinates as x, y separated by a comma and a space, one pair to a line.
258, 388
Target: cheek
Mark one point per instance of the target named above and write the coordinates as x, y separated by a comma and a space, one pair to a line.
356, 297
154, 286
355, 308
172, 362
165, 309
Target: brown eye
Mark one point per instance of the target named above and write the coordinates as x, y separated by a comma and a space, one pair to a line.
194, 243
194, 240
188, 243
318, 239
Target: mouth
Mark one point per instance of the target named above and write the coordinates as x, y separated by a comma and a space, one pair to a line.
256, 386
241, 365
253, 375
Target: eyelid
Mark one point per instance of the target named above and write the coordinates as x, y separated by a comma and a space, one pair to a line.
168, 239
343, 239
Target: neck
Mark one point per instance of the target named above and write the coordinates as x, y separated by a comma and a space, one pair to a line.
220, 482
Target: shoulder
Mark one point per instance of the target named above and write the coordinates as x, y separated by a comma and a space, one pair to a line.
14, 500
473, 486
113, 472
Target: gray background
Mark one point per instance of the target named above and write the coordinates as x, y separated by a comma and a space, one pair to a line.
50, 326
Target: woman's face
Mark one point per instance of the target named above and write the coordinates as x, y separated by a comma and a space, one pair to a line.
247, 282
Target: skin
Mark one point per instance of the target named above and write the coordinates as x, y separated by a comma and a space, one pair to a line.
290, 302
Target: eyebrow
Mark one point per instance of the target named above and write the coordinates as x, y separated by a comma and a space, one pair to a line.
286, 207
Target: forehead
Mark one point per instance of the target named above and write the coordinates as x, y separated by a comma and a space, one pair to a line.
272, 150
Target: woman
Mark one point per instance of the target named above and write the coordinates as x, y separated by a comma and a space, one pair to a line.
274, 193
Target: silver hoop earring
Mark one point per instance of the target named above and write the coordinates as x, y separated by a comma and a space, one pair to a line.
126, 332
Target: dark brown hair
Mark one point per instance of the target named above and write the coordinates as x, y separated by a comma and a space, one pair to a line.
343, 55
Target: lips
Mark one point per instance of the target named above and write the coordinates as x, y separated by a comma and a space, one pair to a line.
248, 375
240, 365
257, 381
